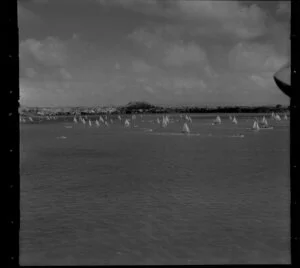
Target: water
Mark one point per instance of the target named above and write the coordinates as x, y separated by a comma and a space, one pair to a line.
120, 195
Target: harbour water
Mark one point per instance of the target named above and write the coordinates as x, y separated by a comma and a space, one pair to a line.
152, 195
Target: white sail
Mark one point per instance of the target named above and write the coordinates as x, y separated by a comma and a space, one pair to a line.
97, 123
230, 117
167, 119
75, 120
30, 119
277, 117
164, 122
127, 123
185, 128
158, 121
119, 117
90, 123
234, 121
83, 121
106, 123
217, 120
285, 117
255, 126
101, 119
265, 123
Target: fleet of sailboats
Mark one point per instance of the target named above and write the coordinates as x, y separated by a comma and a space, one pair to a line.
260, 123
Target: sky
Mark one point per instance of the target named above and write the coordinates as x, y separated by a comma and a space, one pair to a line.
172, 52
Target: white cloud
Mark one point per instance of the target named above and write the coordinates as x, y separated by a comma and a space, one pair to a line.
65, 74
50, 51
147, 38
30, 72
140, 66
189, 84
149, 89
205, 17
179, 55
25, 15
283, 7
257, 57
173, 52
40, 1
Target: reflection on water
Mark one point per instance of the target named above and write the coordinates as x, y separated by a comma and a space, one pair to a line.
123, 196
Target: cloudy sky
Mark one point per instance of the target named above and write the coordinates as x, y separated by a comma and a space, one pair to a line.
101, 52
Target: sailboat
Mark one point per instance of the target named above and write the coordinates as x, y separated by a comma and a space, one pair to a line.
167, 119
97, 123
234, 121
127, 123
30, 119
158, 121
285, 117
186, 128
90, 123
217, 120
277, 117
273, 115
255, 126
265, 124
164, 122
83, 121
119, 117
230, 118
263, 120
101, 119
75, 120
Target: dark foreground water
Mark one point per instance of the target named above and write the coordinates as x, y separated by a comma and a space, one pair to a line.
130, 196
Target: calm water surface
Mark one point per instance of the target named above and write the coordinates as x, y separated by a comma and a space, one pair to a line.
131, 196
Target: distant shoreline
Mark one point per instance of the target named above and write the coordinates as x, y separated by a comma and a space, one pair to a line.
146, 108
